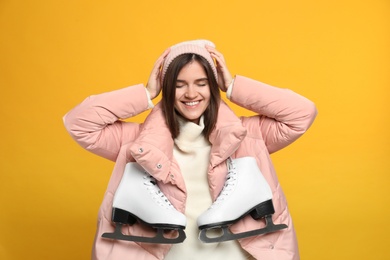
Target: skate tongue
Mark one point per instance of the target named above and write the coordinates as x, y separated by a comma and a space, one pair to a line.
158, 195
150, 179
229, 184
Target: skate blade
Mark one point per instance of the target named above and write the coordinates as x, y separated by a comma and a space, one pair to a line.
227, 235
158, 239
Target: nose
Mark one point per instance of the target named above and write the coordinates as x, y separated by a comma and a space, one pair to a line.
191, 92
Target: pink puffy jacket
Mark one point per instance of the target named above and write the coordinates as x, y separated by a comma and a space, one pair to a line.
283, 116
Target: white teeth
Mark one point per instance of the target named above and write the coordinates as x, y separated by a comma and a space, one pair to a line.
191, 103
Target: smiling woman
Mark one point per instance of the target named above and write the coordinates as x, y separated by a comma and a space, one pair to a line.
194, 153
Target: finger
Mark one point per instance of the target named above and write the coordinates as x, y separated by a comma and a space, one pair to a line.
220, 61
162, 57
159, 62
214, 51
165, 53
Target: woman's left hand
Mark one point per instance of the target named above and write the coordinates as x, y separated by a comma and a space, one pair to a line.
224, 76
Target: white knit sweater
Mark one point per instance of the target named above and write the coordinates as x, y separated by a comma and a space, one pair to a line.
192, 151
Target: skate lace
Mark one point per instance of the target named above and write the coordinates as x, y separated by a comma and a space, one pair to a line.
155, 192
230, 183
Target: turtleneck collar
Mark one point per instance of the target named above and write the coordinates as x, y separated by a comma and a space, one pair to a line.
191, 134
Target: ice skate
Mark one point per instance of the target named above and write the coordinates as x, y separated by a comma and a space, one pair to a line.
245, 192
139, 198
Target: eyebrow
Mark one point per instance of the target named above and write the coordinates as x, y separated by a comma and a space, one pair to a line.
197, 80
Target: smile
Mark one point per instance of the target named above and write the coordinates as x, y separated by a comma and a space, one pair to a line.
193, 103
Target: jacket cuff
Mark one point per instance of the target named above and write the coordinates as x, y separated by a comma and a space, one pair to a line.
230, 89
150, 103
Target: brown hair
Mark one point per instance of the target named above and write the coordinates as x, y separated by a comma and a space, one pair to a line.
169, 93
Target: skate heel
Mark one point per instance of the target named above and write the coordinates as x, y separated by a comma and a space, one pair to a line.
122, 216
263, 209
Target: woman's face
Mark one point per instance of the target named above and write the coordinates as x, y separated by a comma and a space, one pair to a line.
192, 92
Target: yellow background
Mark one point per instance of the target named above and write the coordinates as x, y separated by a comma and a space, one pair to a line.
53, 54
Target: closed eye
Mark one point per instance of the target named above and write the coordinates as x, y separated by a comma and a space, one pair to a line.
202, 82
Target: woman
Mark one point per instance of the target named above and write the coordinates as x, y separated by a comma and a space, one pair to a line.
186, 144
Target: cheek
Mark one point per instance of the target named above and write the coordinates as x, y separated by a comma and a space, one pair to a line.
207, 96
178, 93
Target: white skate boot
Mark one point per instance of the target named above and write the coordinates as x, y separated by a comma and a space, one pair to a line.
245, 192
139, 198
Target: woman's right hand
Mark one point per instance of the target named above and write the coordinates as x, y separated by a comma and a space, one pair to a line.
224, 76
154, 82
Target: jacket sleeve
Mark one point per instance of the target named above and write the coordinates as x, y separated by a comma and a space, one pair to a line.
283, 116
95, 123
